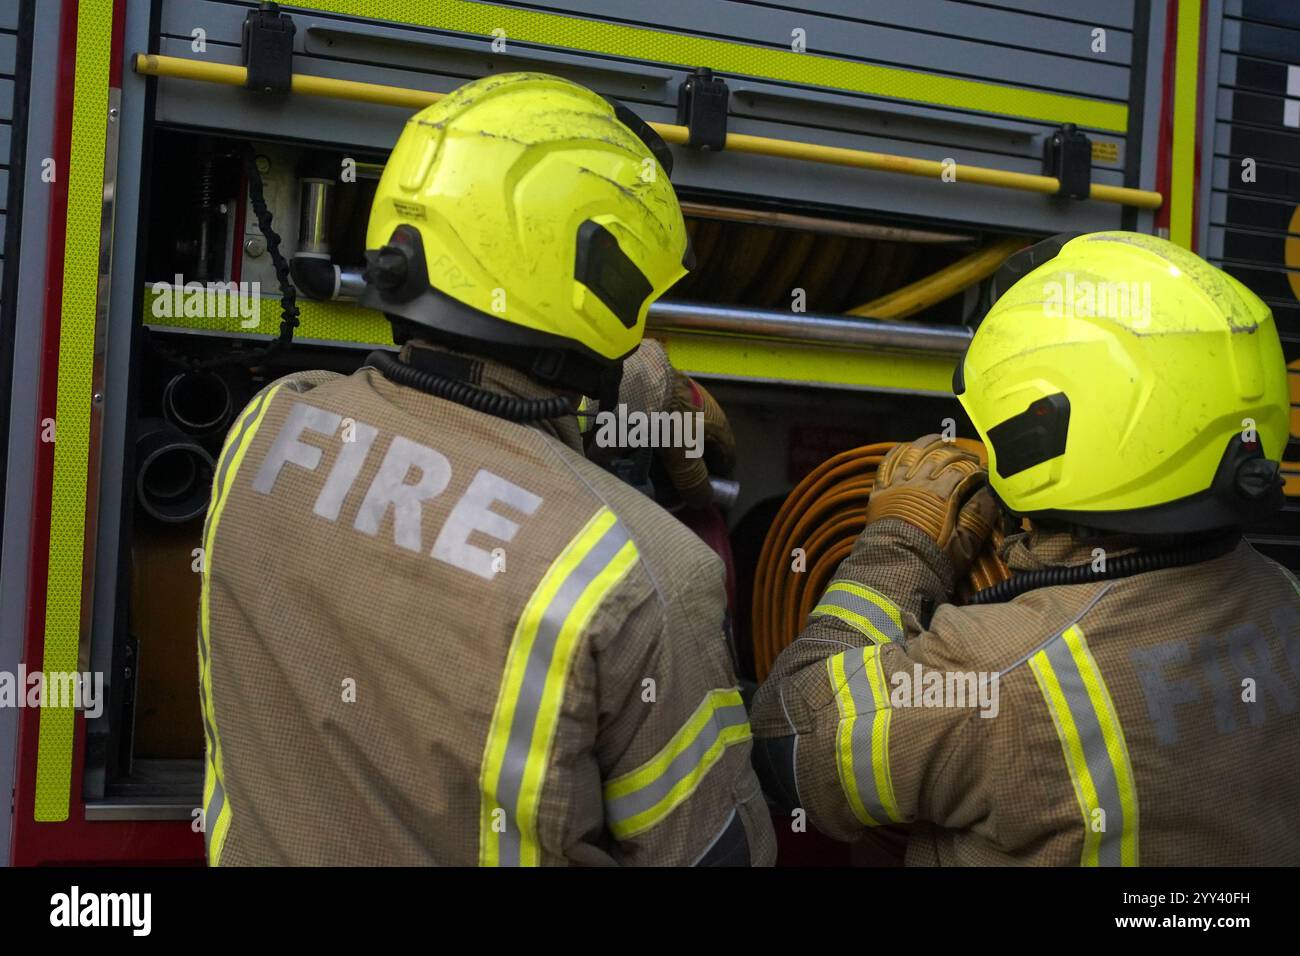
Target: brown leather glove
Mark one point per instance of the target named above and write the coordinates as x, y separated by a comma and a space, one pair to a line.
941, 489
651, 384
690, 476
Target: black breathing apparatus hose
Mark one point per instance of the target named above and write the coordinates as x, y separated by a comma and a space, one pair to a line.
508, 407
1126, 565
288, 293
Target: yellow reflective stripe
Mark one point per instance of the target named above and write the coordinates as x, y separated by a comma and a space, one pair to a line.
584, 417
642, 798
238, 441
1093, 745
658, 764
1113, 736
593, 35
513, 680
853, 619
844, 740
1182, 184
557, 681
862, 739
875, 597
869, 612
56, 729
526, 714
1084, 790
880, 725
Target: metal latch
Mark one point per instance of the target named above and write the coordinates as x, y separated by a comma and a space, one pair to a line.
1067, 155
267, 47
702, 103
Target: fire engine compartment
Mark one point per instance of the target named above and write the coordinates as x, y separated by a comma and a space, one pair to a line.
777, 242
189, 384
786, 249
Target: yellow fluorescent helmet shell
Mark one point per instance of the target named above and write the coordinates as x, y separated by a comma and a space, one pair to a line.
499, 175
1163, 358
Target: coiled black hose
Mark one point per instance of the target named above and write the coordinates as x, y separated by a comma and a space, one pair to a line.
509, 407
1126, 565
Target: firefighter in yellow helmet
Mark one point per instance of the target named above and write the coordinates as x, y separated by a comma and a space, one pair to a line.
433, 631
1132, 694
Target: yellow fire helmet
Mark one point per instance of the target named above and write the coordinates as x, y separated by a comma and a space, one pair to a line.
528, 216
1123, 383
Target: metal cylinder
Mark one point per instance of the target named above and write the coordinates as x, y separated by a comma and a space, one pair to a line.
198, 403
314, 221
173, 478
808, 328
351, 284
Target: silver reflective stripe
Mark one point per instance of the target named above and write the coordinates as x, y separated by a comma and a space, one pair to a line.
680, 768
534, 685
862, 731
856, 604
1095, 753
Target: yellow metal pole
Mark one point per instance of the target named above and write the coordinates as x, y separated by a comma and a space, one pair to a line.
150, 64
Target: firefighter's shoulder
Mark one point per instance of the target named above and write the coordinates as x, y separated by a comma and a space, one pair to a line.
671, 553
999, 637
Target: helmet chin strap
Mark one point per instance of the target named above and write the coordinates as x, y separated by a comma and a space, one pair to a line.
610, 380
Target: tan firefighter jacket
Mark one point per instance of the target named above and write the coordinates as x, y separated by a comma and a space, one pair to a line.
1150, 720
431, 636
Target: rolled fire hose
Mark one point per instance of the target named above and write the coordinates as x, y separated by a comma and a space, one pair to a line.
815, 530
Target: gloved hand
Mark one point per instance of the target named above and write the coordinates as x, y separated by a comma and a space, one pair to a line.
941, 489
651, 384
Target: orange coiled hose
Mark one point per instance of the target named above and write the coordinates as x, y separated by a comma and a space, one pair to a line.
822, 517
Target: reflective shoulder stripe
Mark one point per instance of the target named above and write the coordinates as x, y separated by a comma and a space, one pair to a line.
869, 612
1093, 744
216, 805
527, 710
642, 798
862, 740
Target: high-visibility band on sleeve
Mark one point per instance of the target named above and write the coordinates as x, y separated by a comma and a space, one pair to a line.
216, 803
524, 721
1093, 744
638, 800
869, 612
862, 742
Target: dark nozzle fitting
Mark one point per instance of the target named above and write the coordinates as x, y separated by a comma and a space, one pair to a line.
198, 402
173, 473
315, 277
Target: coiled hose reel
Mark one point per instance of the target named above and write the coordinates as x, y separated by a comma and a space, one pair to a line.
815, 529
